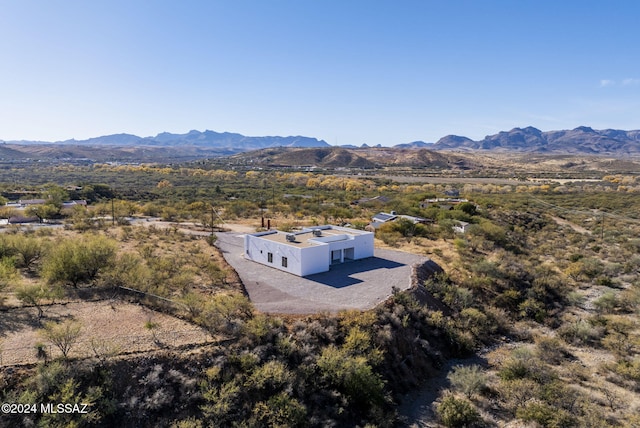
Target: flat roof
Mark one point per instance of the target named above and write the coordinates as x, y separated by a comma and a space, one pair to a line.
305, 238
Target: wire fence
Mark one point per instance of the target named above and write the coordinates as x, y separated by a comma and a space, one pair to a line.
102, 348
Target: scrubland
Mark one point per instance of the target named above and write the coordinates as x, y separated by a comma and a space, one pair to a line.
538, 301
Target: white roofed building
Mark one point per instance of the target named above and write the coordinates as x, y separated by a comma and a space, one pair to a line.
312, 250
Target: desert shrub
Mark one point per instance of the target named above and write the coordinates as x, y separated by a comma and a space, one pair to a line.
575, 257
550, 350
452, 295
607, 303
390, 238
222, 402
468, 380
225, 313
353, 375
456, 412
475, 322
271, 377
28, 250
190, 422
169, 214
523, 363
580, 332
490, 232
591, 267
8, 272
405, 228
545, 414
629, 369
468, 208
63, 335
59, 383
128, 270
508, 299
280, 410
261, 328
534, 309
37, 294
515, 368
516, 393
575, 298
79, 260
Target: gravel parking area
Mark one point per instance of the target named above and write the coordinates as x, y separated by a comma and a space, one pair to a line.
360, 284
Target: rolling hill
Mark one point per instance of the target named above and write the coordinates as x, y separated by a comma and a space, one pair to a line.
340, 157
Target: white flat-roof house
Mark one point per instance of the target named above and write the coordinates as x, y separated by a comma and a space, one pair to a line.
312, 250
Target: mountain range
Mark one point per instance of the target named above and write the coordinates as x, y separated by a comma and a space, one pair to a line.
196, 145
581, 140
211, 139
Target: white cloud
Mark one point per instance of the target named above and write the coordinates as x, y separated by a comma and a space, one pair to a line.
629, 82
607, 82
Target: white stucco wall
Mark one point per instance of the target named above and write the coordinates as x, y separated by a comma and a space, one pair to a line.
315, 259
257, 249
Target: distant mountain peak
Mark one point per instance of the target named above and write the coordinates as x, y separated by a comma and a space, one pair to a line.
584, 129
581, 140
413, 145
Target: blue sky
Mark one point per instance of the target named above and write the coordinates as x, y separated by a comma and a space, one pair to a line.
346, 71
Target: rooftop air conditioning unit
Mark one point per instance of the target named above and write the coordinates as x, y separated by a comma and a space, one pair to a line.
291, 237
317, 232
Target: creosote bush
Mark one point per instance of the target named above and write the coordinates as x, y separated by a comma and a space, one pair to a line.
456, 412
469, 380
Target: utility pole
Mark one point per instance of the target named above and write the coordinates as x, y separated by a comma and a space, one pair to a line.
212, 219
113, 213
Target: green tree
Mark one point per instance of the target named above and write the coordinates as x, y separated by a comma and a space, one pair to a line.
63, 335
78, 260
35, 294
29, 250
468, 208
44, 211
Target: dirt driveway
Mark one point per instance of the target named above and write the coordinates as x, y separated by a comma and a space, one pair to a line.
360, 284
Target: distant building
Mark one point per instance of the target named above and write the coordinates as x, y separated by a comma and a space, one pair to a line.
18, 219
461, 226
416, 220
69, 204
24, 203
385, 217
310, 251
382, 218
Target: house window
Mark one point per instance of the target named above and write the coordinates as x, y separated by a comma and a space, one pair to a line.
284, 262
270, 257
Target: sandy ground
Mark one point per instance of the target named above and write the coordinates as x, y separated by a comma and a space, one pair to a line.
118, 327
563, 222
